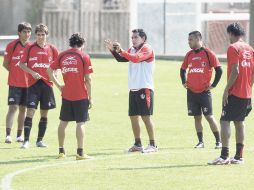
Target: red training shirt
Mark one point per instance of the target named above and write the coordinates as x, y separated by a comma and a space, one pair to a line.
14, 51
39, 59
200, 66
74, 65
242, 54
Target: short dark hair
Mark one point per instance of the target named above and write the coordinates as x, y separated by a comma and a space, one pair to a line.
197, 34
140, 32
236, 29
24, 26
77, 39
41, 28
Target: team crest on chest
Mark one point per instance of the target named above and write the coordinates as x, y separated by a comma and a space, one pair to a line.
203, 64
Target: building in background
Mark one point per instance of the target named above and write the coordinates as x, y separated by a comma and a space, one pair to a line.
167, 22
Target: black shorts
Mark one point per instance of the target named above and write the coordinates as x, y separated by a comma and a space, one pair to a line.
17, 96
236, 109
199, 102
141, 102
74, 110
41, 92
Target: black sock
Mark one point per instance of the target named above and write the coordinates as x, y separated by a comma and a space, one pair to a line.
19, 132
224, 153
42, 128
61, 150
152, 142
217, 136
8, 131
239, 151
80, 152
27, 128
138, 142
200, 136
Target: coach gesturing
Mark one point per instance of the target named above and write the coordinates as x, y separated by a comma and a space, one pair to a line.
140, 79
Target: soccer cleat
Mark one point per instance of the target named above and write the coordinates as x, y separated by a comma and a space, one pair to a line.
8, 140
25, 145
219, 161
84, 157
200, 145
135, 148
150, 149
41, 144
19, 139
61, 156
236, 161
218, 145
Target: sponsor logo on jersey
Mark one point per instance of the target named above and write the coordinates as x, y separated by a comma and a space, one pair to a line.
196, 58
16, 57
245, 63
40, 65
42, 53
246, 54
33, 59
69, 70
70, 60
197, 70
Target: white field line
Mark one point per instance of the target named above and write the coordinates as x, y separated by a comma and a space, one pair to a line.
7, 179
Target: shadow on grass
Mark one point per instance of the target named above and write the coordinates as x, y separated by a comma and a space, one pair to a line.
161, 167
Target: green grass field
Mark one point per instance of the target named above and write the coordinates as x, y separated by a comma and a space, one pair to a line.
177, 165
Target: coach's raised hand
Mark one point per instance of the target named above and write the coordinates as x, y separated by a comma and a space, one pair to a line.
108, 43
117, 47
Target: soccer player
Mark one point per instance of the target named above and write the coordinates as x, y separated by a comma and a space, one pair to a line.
35, 61
76, 92
237, 94
17, 81
141, 88
199, 62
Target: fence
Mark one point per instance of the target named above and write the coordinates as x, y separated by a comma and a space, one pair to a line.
97, 26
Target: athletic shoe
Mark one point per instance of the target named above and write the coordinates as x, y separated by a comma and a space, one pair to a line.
25, 145
219, 161
135, 148
236, 161
200, 145
61, 156
41, 144
19, 139
150, 149
8, 140
218, 145
84, 157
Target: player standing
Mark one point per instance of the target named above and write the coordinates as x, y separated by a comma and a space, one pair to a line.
237, 94
36, 60
76, 92
200, 62
17, 81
